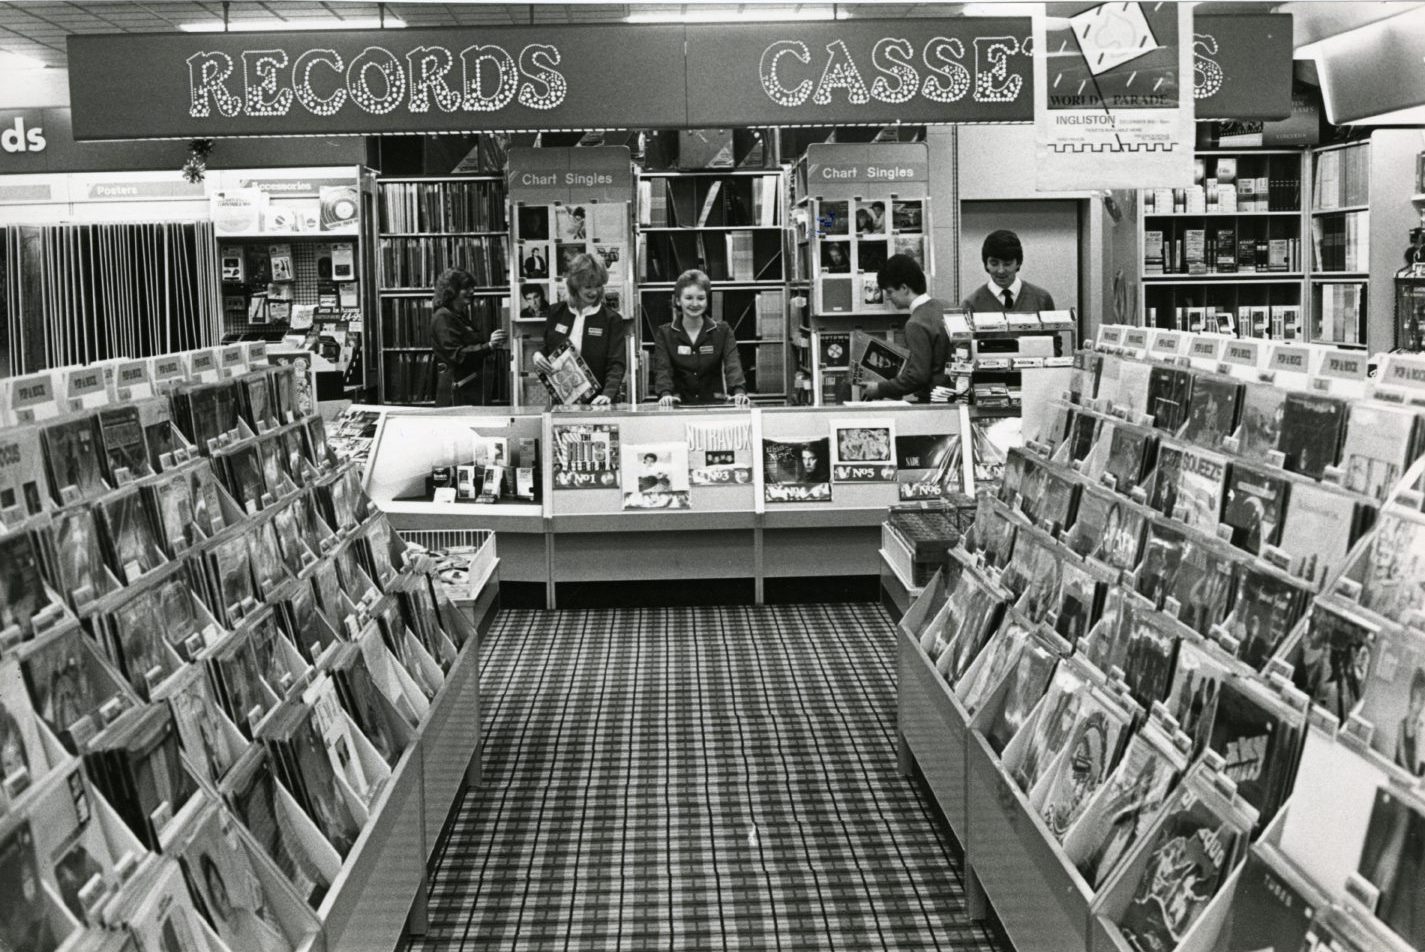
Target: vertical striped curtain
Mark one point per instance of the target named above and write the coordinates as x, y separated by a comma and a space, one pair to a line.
75, 294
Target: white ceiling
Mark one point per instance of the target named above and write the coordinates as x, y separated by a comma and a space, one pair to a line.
38, 28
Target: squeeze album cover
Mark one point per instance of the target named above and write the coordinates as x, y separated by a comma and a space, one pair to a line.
655, 476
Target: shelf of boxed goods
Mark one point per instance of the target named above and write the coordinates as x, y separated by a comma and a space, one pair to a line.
1039, 894
382, 876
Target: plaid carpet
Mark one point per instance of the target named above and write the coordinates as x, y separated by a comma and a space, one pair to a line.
701, 778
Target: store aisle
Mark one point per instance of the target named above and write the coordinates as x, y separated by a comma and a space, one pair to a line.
699, 778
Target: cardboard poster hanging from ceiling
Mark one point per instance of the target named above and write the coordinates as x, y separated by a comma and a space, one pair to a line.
1242, 65
1113, 100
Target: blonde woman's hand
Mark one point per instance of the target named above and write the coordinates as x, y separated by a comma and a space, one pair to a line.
602, 400
741, 400
667, 402
541, 363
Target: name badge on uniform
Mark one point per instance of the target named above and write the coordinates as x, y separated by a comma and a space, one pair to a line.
594, 331
561, 328
705, 349
684, 350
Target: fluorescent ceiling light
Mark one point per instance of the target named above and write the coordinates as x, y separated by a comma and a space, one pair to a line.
1006, 9
19, 61
744, 15
251, 26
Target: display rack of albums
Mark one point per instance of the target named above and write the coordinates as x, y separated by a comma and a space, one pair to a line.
547, 237
295, 249
427, 225
732, 225
841, 244
1226, 254
1168, 693
234, 706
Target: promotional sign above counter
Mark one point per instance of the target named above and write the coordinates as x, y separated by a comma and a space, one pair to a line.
911, 70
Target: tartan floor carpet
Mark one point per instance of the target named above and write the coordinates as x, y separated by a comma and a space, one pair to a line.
694, 778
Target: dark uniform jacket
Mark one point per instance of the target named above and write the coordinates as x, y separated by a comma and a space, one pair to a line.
929, 347
705, 370
460, 352
602, 348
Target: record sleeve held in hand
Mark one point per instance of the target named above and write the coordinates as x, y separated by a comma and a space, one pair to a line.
571, 381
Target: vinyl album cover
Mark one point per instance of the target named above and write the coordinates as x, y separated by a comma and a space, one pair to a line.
835, 257
1087, 532
265, 635
1038, 577
797, 471
143, 655
1134, 377
1167, 476
23, 482
1016, 464
1212, 413
927, 466
571, 381
1263, 407
66, 683
1124, 807
157, 772
913, 246
289, 538
907, 216
1394, 582
1058, 497
1393, 861
255, 401
159, 433
1169, 390
1024, 687
1254, 505
240, 683
302, 623
1030, 490
968, 626
212, 411
1311, 432
207, 500
129, 533
326, 583
586, 456
1394, 700
177, 610
995, 532
1082, 430
1268, 912
534, 222
79, 553
1162, 557
73, 456
1105, 645
20, 746
1128, 456
833, 218
325, 802
1380, 442
1332, 659
83, 855
251, 792
123, 438
24, 916
1203, 584
1089, 753
863, 451
1049, 729
265, 555
1266, 608
994, 663
1192, 853
1318, 530
199, 722
22, 589
226, 887
1259, 742
655, 476
378, 721
171, 501
1151, 648
272, 455
719, 454
1080, 598
231, 564
242, 467
570, 223
1200, 485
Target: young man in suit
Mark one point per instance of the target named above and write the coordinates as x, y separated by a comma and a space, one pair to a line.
903, 283
1003, 256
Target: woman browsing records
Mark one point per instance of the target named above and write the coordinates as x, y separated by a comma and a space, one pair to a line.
460, 347
591, 327
694, 357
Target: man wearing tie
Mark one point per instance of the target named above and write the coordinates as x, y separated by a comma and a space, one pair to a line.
1003, 255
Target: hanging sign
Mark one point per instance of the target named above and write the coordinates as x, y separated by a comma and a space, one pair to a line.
546, 176
849, 170
1242, 65
1113, 104
860, 71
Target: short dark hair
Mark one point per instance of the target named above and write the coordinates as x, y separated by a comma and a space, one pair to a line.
1004, 245
901, 270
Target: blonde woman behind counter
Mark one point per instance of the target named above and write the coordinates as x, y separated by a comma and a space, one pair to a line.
694, 357
594, 328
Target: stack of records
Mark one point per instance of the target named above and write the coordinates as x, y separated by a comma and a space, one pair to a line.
226, 887
135, 762
268, 812
125, 449
296, 751
26, 759
71, 686
73, 457
235, 674
373, 714
206, 412
24, 485
23, 593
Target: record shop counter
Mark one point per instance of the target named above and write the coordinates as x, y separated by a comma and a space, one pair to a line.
623, 494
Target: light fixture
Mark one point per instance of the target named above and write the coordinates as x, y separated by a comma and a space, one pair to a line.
19, 61
251, 26
746, 14
1004, 9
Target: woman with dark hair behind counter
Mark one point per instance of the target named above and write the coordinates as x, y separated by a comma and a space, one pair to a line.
460, 347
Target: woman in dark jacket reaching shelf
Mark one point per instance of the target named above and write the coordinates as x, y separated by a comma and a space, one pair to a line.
460, 347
